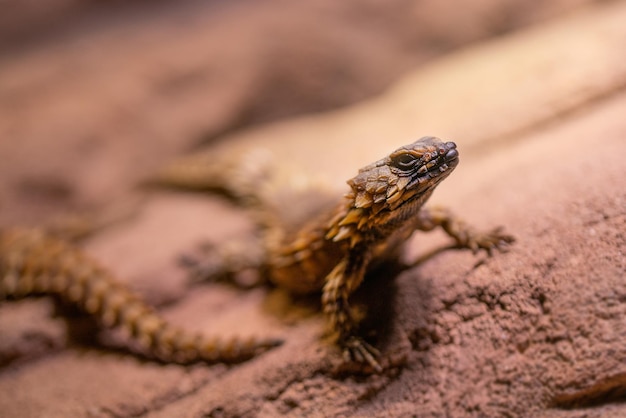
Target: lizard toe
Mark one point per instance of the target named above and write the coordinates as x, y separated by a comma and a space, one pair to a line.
358, 351
495, 240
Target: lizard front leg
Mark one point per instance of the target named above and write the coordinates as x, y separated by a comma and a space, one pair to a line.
238, 261
340, 283
464, 235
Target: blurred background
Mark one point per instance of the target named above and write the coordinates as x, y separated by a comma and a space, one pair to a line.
96, 94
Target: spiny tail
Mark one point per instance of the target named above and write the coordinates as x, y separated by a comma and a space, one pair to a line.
32, 262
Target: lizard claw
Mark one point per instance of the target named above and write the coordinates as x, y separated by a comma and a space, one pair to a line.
495, 239
232, 262
203, 267
358, 351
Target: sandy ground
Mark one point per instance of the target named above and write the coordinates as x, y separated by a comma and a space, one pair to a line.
538, 116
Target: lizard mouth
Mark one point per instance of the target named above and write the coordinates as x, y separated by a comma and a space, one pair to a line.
445, 158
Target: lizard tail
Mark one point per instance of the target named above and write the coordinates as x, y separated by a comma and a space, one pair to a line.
32, 262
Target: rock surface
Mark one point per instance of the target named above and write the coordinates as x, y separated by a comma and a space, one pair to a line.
537, 331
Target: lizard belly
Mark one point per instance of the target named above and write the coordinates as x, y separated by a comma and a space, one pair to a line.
305, 270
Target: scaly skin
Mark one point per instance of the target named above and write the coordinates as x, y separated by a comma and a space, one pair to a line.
32, 262
310, 247
331, 251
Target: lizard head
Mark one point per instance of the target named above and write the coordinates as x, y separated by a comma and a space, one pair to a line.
409, 174
390, 191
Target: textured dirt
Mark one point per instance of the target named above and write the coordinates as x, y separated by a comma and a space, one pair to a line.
538, 115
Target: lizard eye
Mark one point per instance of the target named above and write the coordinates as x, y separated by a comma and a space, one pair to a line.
404, 161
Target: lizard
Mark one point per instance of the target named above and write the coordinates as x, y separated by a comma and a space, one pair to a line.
326, 248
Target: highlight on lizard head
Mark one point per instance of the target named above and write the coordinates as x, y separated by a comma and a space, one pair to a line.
408, 172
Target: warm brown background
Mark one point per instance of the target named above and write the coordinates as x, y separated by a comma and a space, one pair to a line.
95, 96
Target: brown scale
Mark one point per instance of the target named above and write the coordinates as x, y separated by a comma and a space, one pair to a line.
308, 241
32, 262
315, 244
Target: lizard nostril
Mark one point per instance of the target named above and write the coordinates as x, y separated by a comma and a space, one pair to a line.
451, 155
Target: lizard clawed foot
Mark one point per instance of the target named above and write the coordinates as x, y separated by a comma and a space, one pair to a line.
232, 262
489, 241
358, 351
203, 265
